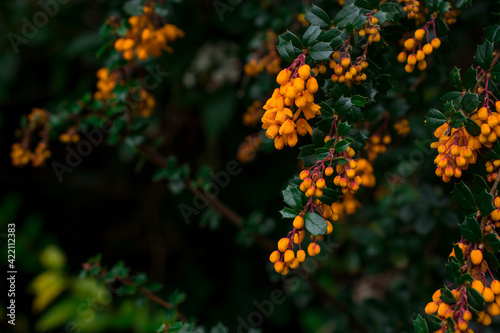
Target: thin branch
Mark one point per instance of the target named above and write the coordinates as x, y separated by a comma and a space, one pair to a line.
493, 63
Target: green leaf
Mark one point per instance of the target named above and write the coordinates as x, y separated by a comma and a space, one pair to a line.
492, 33
469, 102
320, 51
333, 36
472, 127
466, 279
470, 78
160, 174
133, 7
292, 197
330, 195
317, 16
459, 254
420, 325
495, 72
286, 51
463, 196
491, 243
359, 100
326, 110
347, 110
311, 35
441, 26
290, 37
343, 128
485, 203
315, 224
341, 146
455, 78
288, 213
447, 296
480, 184
346, 15
475, 299
453, 96
492, 260
484, 55
453, 274
448, 109
392, 10
457, 119
434, 118
470, 230
322, 153
434, 323
358, 139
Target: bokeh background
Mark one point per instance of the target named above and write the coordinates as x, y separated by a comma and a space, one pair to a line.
387, 260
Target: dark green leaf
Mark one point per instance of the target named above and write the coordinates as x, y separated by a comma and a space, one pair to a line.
466, 279
317, 16
492, 261
475, 299
455, 78
312, 33
288, 213
459, 254
469, 102
457, 119
470, 230
347, 110
492, 33
485, 203
292, 197
346, 15
472, 127
333, 36
484, 55
441, 26
434, 323
326, 110
434, 118
453, 96
447, 296
286, 51
359, 100
420, 325
463, 196
358, 139
480, 184
392, 10
453, 274
491, 243
470, 78
315, 224
322, 153
343, 129
290, 37
341, 146
320, 51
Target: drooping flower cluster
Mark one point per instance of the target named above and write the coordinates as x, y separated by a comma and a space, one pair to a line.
144, 103
253, 114
270, 61
414, 10
377, 145
105, 84
249, 148
70, 136
492, 169
490, 124
143, 39
297, 88
402, 127
417, 49
346, 174
21, 153
457, 149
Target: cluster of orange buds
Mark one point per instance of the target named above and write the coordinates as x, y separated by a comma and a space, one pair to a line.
143, 39
414, 10
248, 149
371, 29
313, 182
492, 169
145, 103
450, 17
70, 136
297, 88
286, 258
347, 72
365, 171
253, 114
457, 149
489, 123
402, 127
105, 85
319, 69
21, 155
346, 177
377, 144
271, 61
349, 204
418, 50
